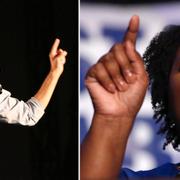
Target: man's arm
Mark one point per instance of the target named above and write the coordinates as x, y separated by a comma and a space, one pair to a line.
117, 85
57, 60
28, 113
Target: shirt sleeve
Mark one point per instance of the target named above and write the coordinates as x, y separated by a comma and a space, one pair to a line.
14, 111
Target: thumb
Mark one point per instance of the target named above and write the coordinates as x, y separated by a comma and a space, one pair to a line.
135, 58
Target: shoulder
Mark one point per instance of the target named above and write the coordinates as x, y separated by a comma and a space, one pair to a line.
164, 170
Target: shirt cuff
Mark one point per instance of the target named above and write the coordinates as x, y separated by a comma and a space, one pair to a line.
37, 110
37, 103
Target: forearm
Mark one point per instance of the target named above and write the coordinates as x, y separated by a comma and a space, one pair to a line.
47, 88
28, 113
103, 149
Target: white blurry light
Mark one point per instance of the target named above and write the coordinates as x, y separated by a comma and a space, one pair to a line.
175, 155
142, 160
142, 134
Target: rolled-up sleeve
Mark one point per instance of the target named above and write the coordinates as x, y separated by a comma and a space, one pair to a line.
14, 111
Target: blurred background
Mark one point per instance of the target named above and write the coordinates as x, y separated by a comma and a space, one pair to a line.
48, 150
102, 23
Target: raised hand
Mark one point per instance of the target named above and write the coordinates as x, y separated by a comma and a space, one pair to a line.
57, 58
117, 83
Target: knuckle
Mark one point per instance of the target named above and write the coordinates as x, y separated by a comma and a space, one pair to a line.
108, 63
105, 58
91, 68
96, 67
90, 71
117, 47
86, 82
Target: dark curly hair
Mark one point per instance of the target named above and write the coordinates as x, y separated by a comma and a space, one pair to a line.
159, 57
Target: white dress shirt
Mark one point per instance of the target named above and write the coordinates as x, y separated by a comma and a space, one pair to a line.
14, 111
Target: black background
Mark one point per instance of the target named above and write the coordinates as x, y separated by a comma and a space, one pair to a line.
28, 28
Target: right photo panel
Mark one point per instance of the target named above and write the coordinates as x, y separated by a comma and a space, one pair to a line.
129, 89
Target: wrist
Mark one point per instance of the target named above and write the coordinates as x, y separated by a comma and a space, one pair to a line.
112, 124
113, 132
55, 73
113, 119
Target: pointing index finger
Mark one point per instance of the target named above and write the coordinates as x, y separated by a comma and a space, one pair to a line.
132, 31
55, 47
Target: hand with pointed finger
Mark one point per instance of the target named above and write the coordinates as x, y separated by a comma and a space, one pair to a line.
57, 58
117, 83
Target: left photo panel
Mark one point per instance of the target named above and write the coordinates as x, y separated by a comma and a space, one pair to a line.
39, 90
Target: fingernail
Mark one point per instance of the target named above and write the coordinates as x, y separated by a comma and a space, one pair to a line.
112, 88
121, 82
129, 76
122, 86
65, 53
129, 73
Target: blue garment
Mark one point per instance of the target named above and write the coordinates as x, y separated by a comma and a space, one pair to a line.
167, 170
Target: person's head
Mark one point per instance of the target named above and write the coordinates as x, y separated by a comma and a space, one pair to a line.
162, 59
